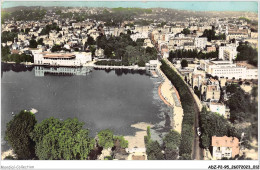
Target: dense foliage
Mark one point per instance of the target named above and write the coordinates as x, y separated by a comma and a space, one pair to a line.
126, 50
117, 16
62, 140
247, 53
25, 15
105, 138
122, 141
153, 148
211, 35
47, 29
243, 108
187, 102
191, 54
185, 31
17, 135
8, 36
212, 124
171, 143
17, 58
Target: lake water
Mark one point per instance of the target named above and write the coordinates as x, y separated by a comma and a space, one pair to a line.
113, 99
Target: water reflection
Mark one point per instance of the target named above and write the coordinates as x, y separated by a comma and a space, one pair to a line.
41, 71
14, 67
120, 72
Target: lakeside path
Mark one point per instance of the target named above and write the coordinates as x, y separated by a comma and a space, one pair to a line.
170, 96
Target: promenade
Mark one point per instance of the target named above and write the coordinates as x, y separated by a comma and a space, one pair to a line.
170, 97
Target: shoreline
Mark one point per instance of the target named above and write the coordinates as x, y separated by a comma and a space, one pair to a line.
170, 96
90, 64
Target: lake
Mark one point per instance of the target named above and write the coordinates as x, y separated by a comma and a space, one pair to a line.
102, 99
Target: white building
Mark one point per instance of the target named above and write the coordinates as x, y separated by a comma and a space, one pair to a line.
134, 37
62, 59
200, 42
228, 52
152, 65
229, 70
219, 108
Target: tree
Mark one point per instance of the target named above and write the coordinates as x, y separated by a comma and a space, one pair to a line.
33, 43
5, 51
9, 157
62, 140
122, 141
172, 139
56, 48
154, 151
184, 63
105, 138
185, 31
254, 92
90, 41
185, 157
212, 124
17, 135
171, 142
40, 41
247, 53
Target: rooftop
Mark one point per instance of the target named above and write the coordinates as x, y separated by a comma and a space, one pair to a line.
225, 141
59, 55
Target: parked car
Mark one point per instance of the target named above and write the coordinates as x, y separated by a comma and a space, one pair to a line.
198, 131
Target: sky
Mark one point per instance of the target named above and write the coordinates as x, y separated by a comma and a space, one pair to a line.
251, 6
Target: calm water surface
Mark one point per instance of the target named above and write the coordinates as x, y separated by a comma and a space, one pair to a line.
113, 99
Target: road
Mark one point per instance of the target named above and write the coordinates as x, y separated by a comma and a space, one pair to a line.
197, 152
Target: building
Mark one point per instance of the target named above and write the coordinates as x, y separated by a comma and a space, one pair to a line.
227, 52
152, 65
219, 108
229, 70
62, 59
200, 42
225, 147
211, 49
197, 80
210, 90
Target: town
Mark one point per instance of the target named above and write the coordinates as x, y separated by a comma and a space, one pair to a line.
208, 64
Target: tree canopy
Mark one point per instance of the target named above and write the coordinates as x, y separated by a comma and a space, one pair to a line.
17, 134
62, 140
105, 138
184, 63
211, 35
247, 53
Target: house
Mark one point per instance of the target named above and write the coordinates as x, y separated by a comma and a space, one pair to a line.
219, 108
225, 147
200, 42
210, 90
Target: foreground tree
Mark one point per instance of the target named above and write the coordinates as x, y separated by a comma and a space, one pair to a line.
171, 142
62, 140
105, 139
18, 132
154, 151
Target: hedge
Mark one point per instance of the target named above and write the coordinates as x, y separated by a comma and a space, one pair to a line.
187, 102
